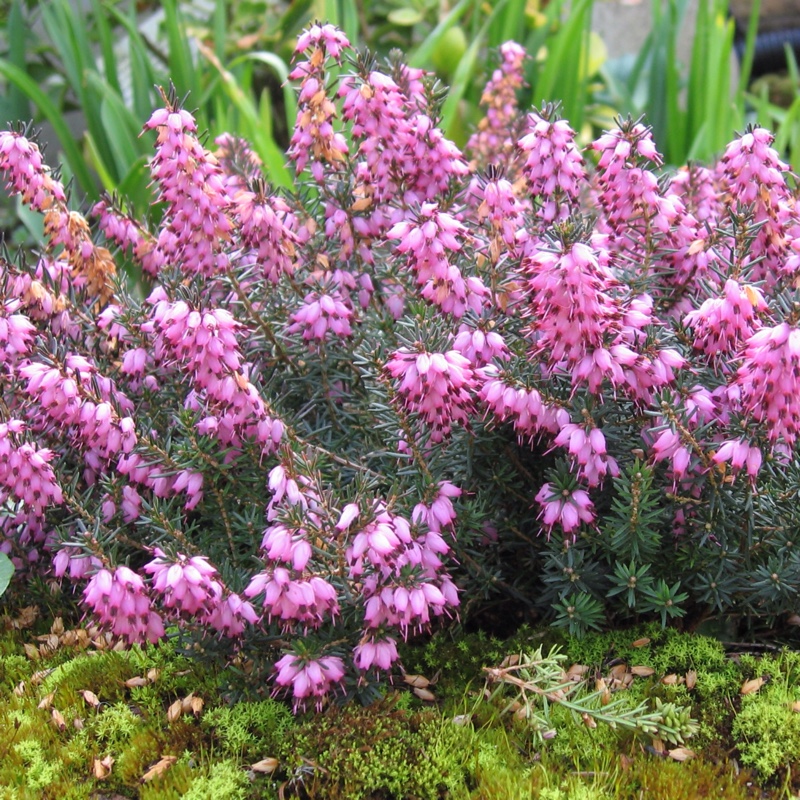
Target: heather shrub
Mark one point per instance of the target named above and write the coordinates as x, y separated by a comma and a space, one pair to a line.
332, 418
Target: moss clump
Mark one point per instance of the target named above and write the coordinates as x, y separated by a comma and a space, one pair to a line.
225, 779
767, 731
250, 731
354, 753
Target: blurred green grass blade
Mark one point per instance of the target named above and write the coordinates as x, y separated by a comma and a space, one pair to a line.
343, 14
53, 115
562, 76
746, 63
252, 125
220, 27
508, 26
181, 67
465, 72
33, 222
294, 17
421, 56
107, 180
281, 69
16, 102
106, 39
143, 74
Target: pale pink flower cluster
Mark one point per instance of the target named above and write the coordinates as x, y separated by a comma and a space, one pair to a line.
128, 233
493, 142
119, 601
437, 387
192, 185
25, 472
204, 344
67, 396
308, 677
769, 381
16, 333
322, 312
531, 415
265, 226
314, 139
553, 168
427, 242
586, 445
722, 324
26, 173
480, 347
566, 510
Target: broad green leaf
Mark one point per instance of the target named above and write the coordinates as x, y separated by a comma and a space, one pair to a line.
6, 572
421, 57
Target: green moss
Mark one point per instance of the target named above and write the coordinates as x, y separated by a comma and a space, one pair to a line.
225, 779
251, 731
355, 753
767, 731
38, 772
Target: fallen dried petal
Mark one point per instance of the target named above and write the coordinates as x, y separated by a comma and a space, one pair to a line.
91, 698
46, 701
152, 674
796, 706
424, 694
58, 719
102, 767
419, 681
691, 679
752, 686
576, 672
670, 680
175, 711
133, 683
197, 705
642, 672
159, 768
588, 721
681, 754
643, 642
266, 766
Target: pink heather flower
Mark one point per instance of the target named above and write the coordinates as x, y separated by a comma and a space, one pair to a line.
348, 516
294, 601
25, 472
26, 173
289, 545
427, 243
381, 541
566, 509
16, 332
265, 225
722, 324
322, 312
436, 386
479, 346
493, 142
668, 445
739, 453
574, 314
230, 614
75, 562
309, 677
440, 513
376, 652
192, 185
553, 166
531, 415
769, 381
128, 233
750, 164
120, 603
185, 585
587, 447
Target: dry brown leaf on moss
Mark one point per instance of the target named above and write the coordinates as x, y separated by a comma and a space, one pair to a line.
46, 701
643, 642
670, 680
752, 686
658, 746
424, 694
58, 719
152, 674
796, 706
159, 768
576, 672
691, 679
642, 672
31, 651
133, 683
417, 681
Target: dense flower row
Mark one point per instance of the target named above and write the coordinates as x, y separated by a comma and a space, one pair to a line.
281, 440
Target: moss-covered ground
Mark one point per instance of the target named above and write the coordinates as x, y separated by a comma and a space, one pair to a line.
81, 719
